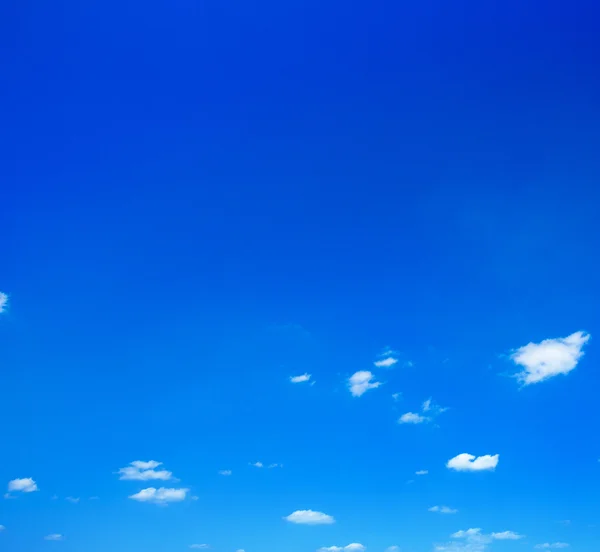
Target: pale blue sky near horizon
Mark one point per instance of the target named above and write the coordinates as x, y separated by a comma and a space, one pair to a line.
202, 201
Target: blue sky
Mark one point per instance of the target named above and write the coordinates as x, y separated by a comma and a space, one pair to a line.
203, 201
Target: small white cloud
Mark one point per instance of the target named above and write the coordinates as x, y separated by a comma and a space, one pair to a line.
271, 466
443, 510
421, 472
3, 301
412, 418
549, 358
25, 485
72, 500
160, 496
353, 547
309, 517
427, 405
240, 550
551, 546
468, 462
54, 537
506, 535
396, 396
360, 382
387, 362
225, 472
393, 548
144, 471
199, 546
300, 379
257, 465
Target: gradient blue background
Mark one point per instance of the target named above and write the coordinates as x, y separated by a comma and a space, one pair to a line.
201, 199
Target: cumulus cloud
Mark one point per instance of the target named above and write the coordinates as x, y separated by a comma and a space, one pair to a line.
412, 418
3, 301
421, 472
225, 472
25, 485
54, 537
549, 358
160, 496
309, 517
468, 462
443, 510
360, 382
353, 547
551, 546
139, 470
301, 378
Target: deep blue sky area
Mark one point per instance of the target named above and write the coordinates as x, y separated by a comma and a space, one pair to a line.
202, 200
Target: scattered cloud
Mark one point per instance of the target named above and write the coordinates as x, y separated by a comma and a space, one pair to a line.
225, 472
412, 418
386, 362
474, 540
3, 301
300, 379
271, 466
199, 546
257, 464
160, 496
396, 396
443, 510
506, 535
551, 546
549, 358
360, 382
25, 485
393, 548
54, 537
353, 547
309, 517
139, 470
72, 500
422, 472
468, 462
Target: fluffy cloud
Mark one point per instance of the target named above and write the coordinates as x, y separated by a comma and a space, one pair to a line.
360, 382
443, 510
549, 358
386, 362
301, 378
25, 485
225, 472
309, 517
160, 496
3, 301
551, 546
353, 547
506, 535
412, 418
468, 462
421, 472
54, 537
139, 470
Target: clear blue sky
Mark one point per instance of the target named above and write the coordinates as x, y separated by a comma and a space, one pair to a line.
202, 200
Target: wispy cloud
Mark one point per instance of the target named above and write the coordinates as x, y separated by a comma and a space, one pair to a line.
429, 411
354, 547
25, 485
2, 528
257, 464
301, 378
360, 382
3, 301
225, 472
549, 358
443, 510
474, 540
54, 537
271, 466
199, 546
506, 535
412, 418
160, 496
469, 462
393, 548
551, 546
72, 500
421, 472
310, 517
139, 470
396, 396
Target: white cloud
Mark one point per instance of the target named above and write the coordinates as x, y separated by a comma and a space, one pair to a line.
386, 362
73, 500
258, 465
551, 546
427, 405
199, 546
25, 485
396, 396
3, 301
309, 517
443, 510
144, 471
300, 379
393, 548
421, 472
549, 358
271, 466
468, 462
506, 535
360, 382
353, 547
54, 537
240, 550
225, 472
160, 496
412, 418
469, 533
